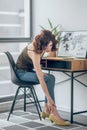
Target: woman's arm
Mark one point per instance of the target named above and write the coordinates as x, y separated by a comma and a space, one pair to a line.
40, 75
50, 54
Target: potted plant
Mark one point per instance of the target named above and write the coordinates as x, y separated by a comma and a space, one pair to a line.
56, 30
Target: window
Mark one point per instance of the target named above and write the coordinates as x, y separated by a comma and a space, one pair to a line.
15, 20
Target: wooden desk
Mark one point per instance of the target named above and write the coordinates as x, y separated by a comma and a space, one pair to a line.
67, 65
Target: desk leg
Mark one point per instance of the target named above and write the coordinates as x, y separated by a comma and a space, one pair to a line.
72, 89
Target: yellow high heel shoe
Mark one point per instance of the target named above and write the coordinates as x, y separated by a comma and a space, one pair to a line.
60, 123
44, 115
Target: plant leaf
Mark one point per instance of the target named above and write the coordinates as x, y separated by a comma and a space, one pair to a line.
42, 27
51, 26
54, 28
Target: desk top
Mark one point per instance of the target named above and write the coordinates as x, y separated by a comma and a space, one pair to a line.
64, 59
68, 64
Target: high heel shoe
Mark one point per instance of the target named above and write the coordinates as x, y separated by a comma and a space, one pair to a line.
44, 115
60, 123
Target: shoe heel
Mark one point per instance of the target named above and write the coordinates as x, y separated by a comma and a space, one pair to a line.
51, 121
44, 118
44, 115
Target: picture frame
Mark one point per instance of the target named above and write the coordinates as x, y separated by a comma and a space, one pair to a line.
73, 44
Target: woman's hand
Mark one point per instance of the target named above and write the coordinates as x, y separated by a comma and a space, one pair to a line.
51, 105
50, 54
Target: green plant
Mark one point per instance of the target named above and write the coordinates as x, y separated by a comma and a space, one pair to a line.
54, 29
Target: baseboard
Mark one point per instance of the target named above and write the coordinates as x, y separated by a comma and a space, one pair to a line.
5, 106
65, 109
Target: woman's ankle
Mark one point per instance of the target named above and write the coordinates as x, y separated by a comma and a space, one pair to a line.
55, 113
46, 109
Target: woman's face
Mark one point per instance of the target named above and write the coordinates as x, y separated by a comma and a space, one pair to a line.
49, 47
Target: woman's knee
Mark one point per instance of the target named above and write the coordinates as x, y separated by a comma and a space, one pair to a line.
50, 78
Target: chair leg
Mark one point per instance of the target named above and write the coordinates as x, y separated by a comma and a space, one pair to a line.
35, 100
24, 98
13, 104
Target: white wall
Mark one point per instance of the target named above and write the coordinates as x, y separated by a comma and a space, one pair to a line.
71, 14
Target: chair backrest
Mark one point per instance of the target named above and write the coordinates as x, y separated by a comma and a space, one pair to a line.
14, 77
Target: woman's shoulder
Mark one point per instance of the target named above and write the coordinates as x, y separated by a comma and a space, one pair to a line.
30, 47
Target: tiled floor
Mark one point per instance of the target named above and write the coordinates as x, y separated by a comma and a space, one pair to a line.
21, 120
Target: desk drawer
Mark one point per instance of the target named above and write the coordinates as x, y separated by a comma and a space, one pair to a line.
59, 64
65, 64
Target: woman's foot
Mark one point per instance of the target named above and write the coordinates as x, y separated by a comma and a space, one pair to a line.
58, 120
45, 113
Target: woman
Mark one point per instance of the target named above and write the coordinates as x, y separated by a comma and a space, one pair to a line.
29, 69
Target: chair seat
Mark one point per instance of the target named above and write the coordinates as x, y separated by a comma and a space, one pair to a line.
25, 83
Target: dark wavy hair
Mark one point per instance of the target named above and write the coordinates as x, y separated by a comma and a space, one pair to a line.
43, 39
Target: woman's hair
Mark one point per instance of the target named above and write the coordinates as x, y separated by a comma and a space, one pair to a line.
43, 39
